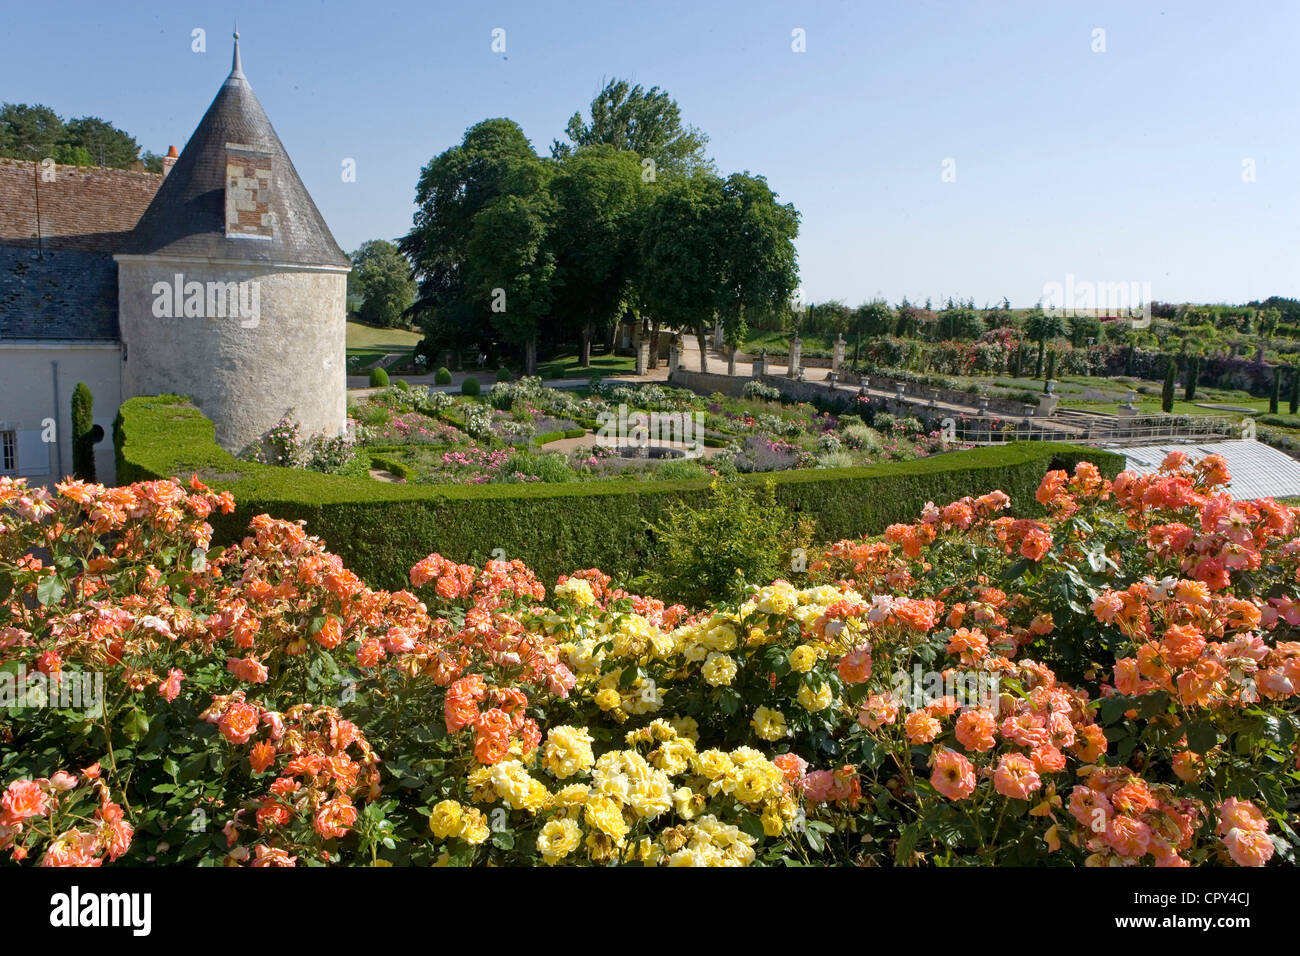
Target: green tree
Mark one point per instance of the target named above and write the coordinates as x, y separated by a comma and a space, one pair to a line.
381, 278
1041, 327
1193, 378
28, 132
106, 144
1276, 393
83, 433
511, 263
871, 319
680, 264
1051, 369
757, 256
1293, 403
647, 122
599, 196
1167, 393
452, 189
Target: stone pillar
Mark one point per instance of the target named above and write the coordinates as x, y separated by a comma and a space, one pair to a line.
796, 347
760, 364
837, 354
674, 357
642, 355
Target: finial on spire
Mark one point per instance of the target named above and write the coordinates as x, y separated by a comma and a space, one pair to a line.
236, 68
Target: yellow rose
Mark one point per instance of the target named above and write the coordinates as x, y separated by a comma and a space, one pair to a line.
718, 669
557, 840
608, 699
474, 827
576, 590
811, 700
606, 816
445, 819
769, 724
568, 750
802, 659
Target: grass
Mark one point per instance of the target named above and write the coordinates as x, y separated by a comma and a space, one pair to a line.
567, 366
369, 343
814, 343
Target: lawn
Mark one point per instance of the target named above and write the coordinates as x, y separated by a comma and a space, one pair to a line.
814, 343
567, 366
369, 343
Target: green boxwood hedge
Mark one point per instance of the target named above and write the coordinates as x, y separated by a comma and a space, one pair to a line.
380, 529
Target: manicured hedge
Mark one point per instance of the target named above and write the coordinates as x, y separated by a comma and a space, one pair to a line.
381, 529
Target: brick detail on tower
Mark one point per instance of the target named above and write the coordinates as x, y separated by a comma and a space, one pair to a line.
248, 193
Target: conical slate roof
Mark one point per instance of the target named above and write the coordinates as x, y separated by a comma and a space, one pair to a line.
188, 215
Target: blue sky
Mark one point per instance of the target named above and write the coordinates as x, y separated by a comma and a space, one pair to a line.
1116, 166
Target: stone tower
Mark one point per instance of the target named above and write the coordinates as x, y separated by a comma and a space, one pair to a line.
231, 289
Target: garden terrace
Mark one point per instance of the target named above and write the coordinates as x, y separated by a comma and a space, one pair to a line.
381, 529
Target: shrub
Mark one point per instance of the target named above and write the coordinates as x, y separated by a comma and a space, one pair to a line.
503, 374
547, 467
442, 376
470, 387
83, 433
378, 378
740, 535
758, 390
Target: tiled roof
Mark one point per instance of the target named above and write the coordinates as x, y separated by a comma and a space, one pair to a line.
188, 215
1258, 470
63, 294
88, 208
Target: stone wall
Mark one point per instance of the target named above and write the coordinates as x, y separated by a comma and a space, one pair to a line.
245, 374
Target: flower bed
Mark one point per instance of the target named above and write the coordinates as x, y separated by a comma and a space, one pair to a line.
1112, 684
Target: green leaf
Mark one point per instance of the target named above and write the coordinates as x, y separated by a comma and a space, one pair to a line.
906, 845
49, 591
1201, 737
135, 723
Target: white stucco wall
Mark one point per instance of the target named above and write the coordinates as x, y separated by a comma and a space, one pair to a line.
28, 382
245, 377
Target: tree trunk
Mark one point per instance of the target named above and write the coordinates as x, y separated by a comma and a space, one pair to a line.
704, 351
530, 356
731, 359
654, 344
584, 358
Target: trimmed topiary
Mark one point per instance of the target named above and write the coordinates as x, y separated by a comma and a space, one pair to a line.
83, 433
470, 387
503, 374
378, 378
442, 376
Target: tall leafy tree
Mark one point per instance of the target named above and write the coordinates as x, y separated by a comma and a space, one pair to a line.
106, 144
757, 259
511, 263
1041, 327
27, 131
647, 122
381, 278
680, 266
452, 189
598, 193
871, 319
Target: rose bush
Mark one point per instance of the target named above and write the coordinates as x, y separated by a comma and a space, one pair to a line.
1114, 684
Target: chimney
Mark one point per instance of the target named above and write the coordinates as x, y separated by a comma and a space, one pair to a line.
169, 160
